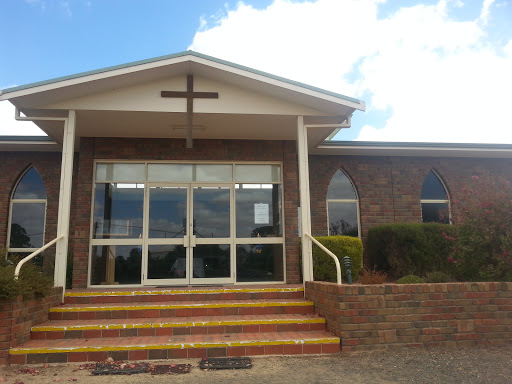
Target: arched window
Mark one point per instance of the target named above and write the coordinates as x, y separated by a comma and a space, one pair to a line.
27, 213
434, 200
342, 206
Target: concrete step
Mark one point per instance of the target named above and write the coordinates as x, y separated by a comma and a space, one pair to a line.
172, 347
98, 328
180, 309
140, 295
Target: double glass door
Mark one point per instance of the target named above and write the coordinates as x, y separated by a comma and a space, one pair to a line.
189, 234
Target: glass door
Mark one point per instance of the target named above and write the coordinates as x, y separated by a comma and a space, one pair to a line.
166, 235
211, 234
188, 236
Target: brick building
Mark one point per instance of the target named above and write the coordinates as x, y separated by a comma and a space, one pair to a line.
189, 170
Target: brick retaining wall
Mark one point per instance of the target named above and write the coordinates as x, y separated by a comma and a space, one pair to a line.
17, 317
371, 317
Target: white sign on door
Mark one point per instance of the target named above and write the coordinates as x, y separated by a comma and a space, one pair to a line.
261, 214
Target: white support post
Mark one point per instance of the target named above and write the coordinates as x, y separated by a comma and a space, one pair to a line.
66, 175
305, 211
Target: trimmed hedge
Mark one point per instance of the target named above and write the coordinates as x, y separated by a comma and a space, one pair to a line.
410, 249
324, 268
410, 279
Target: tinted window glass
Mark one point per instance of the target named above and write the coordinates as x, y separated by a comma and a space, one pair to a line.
31, 186
433, 189
341, 187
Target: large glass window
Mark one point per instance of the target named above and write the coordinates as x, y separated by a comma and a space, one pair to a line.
342, 206
27, 213
258, 210
434, 200
238, 206
118, 210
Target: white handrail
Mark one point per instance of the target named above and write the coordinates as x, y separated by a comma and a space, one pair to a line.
33, 254
336, 261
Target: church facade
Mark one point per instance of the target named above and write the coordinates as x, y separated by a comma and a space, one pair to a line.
189, 170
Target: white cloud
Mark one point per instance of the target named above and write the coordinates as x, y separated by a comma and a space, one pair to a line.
66, 8
9, 126
484, 14
439, 78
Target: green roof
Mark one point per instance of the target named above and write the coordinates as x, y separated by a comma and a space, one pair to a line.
173, 56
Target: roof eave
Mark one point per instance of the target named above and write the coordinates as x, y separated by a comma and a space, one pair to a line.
372, 148
161, 61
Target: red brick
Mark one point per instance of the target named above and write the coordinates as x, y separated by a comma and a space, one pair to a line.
255, 350
330, 348
292, 349
196, 353
17, 359
235, 351
177, 353
138, 355
74, 357
274, 349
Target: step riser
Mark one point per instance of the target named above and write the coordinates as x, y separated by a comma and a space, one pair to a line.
177, 331
178, 312
156, 354
182, 297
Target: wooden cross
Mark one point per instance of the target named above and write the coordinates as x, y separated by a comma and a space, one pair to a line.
190, 95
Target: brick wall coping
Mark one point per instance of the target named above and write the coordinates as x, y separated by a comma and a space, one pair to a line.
381, 289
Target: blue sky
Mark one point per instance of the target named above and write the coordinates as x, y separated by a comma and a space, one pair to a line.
437, 70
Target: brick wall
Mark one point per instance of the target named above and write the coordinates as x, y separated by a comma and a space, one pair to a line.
169, 149
17, 317
371, 317
389, 188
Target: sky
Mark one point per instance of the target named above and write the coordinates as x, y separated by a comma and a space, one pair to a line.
428, 70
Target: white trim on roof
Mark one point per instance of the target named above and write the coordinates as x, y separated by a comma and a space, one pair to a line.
183, 57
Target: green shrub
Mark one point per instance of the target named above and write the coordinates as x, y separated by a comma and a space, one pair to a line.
438, 277
324, 268
31, 281
410, 249
483, 247
372, 276
410, 279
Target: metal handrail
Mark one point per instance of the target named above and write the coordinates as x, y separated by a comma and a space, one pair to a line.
34, 254
336, 261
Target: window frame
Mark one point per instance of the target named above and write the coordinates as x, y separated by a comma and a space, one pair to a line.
13, 201
436, 201
354, 201
143, 242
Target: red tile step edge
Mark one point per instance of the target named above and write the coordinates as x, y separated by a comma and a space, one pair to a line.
177, 326
148, 348
184, 309
155, 297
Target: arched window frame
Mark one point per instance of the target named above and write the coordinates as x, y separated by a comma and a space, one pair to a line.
346, 201
14, 201
437, 201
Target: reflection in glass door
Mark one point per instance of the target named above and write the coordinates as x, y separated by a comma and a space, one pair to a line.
189, 234
166, 234
212, 234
